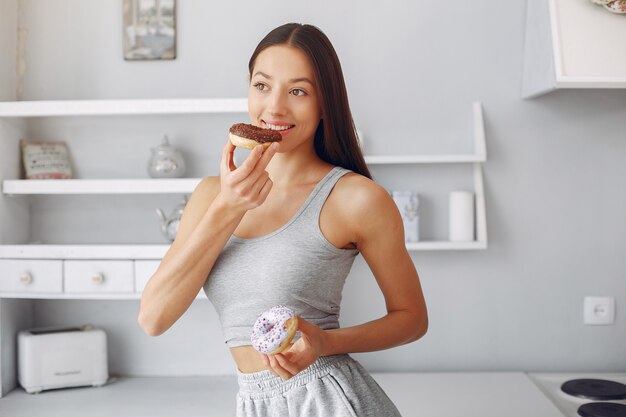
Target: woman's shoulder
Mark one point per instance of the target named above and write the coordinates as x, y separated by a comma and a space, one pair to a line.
365, 213
356, 194
364, 187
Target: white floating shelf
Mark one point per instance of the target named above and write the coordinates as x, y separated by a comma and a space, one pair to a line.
478, 156
422, 159
49, 108
82, 296
187, 185
86, 251
572, 44
445, 245
66, 296
112, 186
157, 251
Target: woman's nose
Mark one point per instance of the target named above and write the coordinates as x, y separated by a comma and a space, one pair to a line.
277, 104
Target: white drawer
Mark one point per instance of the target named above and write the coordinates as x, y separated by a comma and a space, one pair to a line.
22, 275
99, 277
143, 272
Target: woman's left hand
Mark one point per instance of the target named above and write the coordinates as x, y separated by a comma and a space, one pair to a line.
299, 355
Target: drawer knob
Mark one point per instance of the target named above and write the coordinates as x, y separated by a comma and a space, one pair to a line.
26, 278
97, 278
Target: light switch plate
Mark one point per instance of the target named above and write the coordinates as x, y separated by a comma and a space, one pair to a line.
599, 310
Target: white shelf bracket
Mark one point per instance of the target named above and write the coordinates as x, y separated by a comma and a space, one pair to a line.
480, 147
481, 214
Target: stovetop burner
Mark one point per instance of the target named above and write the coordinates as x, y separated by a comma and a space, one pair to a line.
595, 389
602, 410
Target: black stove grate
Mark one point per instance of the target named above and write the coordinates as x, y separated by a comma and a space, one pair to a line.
595, 389
602, 410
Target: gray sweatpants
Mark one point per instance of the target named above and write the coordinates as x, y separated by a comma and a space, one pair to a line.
333, 386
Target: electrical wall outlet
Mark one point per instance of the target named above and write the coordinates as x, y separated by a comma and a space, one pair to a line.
599, 310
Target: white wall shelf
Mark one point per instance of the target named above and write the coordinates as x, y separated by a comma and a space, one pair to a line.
572, 44
64, 296
187, 185
38, 251
154, 252
423, 159
157, 251
85, 296
101, 186
445, 245
71, 108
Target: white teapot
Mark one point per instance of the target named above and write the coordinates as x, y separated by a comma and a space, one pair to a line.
169, 224
166, 161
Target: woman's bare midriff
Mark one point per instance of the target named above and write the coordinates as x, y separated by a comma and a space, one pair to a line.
247, 359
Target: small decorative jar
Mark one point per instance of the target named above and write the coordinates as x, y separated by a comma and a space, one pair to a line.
166, 161
408, 203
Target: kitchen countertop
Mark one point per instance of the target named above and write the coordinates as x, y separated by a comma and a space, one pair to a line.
472, 394
496, 394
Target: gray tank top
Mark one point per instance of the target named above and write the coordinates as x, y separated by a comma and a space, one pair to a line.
294, 266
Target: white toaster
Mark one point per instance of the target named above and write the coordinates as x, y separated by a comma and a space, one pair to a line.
60, 357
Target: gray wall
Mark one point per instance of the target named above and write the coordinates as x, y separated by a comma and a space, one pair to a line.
554, 180
8, 40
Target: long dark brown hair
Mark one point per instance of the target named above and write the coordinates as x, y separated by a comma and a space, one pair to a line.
336, 140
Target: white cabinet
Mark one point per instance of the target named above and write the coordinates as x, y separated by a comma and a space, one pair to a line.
99, 264
99, 277
572, 44
31, 277
143, 272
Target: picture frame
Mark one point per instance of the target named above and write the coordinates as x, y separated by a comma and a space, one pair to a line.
45, 160
149, 30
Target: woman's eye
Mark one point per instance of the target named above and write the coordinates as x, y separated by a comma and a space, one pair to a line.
260, 86
298, 92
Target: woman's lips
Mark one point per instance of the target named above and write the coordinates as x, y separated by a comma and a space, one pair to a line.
285, 132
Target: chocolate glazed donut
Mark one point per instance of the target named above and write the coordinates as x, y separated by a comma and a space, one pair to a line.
248, 136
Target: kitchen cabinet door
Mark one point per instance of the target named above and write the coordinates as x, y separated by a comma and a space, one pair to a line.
99, 276
31, 276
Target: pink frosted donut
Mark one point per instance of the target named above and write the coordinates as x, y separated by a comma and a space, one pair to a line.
273, 330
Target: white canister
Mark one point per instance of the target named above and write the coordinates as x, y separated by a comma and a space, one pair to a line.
461, 225
408, 203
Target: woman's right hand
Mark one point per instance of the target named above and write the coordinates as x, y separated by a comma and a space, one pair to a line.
246, 187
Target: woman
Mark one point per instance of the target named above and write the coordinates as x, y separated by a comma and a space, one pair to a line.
284, 228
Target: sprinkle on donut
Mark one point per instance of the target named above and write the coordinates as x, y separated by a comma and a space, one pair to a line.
273, 330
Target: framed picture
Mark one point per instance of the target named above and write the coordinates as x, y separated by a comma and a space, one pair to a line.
45, 160
149, 29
